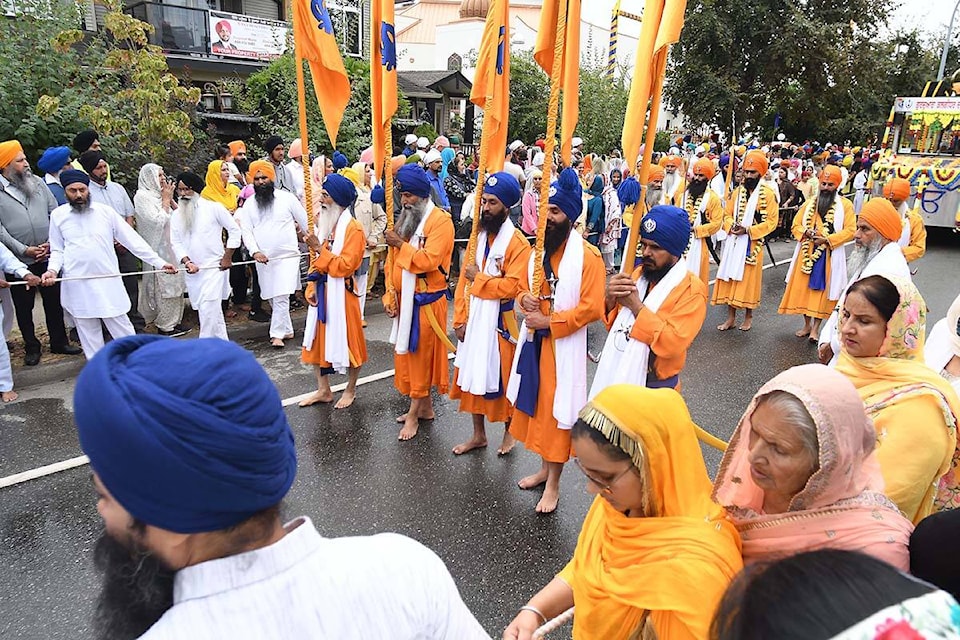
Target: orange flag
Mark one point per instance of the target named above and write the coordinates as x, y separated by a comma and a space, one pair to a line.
662, 22
315, 43
491, 83
543, 52
383, 78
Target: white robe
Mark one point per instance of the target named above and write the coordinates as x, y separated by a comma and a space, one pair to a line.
204, 246
81, 244
273, 232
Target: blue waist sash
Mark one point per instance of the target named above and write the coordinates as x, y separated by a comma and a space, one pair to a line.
420, 300
321, 281
667, 383
818, 274
528, 368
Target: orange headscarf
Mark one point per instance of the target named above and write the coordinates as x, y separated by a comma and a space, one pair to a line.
677, 564
237, 146
897, 189
656, 173
880, 215
756, 161
672, 161
216, 191
9, 150
261, 165
832, 173
705, 166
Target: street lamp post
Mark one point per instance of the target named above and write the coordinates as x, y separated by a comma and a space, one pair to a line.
946, 43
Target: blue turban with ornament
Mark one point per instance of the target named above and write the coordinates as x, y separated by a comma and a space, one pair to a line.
54, 159
668, 226
188, 436
341, 189
504, 187
413, 179
567, 194
339, 161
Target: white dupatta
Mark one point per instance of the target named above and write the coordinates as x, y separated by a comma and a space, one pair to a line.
734, 255
695, 250
400, 333
838, 257
335, 348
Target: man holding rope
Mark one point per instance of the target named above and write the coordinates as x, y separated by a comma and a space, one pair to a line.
82, 236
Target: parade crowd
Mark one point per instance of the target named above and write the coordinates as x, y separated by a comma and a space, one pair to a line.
834, 507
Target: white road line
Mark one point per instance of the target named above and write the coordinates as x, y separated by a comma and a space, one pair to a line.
79, 461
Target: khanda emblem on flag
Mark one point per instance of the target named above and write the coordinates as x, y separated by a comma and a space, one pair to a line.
388, 46
501, 45
319, 10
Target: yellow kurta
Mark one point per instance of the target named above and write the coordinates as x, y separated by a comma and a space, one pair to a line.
745, 293
799, 298
677, 199
918, 237
705, 226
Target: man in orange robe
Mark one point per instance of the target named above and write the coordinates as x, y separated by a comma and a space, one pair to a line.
333, 340
818, 271
486, 350
674, 182
546, 404
750, 216
913, 240
422, 240
705, 210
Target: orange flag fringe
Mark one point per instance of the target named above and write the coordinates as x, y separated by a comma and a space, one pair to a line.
313, 35
383, 78
570, 75
491, 83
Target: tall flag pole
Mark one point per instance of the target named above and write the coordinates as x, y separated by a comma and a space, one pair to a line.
383, 94
558, 54
491, 92
614, 35
661, 26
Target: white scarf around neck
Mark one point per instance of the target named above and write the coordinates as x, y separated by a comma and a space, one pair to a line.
400, 333
695, 251
837, 281
735, 248
335, 348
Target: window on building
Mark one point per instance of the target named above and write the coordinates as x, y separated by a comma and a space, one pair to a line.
454, 63
347, 18
231, 6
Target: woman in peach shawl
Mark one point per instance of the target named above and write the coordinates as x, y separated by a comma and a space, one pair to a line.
800, 473
655, 553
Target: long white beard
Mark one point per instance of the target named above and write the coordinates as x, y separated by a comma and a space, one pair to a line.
327, 220
669, 181
653, 197
861, 256
188, 212
410, 217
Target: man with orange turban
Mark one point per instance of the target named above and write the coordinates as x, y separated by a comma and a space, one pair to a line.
751, 214
674, 182
876, 253
913, 239
705, 210
239, 165
818, 271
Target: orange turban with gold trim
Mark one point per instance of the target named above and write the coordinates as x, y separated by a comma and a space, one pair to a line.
258, 166
897, 189
832, 173
705, 166
672, 161
756, 161
880, 215
656, 173
9, 150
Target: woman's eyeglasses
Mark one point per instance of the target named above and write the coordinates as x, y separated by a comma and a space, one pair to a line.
605, 487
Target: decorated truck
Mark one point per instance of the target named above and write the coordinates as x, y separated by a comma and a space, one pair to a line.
922, 145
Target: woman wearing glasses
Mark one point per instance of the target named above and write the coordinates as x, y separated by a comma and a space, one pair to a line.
655, 553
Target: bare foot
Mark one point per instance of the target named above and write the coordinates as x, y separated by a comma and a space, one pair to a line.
548, 501
814, 338
509, 442
470, 445
9, 396
533, 480
747, 324
726, 325
276, 343
316, 398
409, 431
429, 415
803, 332
289, 336
346, 399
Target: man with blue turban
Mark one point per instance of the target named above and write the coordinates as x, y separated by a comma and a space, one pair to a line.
548, 377
190, 475
483, 316
333, 340
52, 162
422, 245
655, 313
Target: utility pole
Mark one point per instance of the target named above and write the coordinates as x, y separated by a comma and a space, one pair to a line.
946, 43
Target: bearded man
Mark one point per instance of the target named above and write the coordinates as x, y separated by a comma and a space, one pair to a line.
818, 271
674, 182
190, 474
876, 253
913, 240
487, 333
82, 237
196, 235
333, 340
269, 223
705, 211
654, 195
422, 240
653, 315
548, 377
751, 215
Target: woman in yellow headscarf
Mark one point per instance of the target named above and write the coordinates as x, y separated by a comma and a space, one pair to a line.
219, 188
655, 554
914, 410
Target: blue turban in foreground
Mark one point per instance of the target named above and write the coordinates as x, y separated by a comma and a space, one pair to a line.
72, 176
413, 179
567, 194
54, 159
668, 226
504, 187
188, 436
341, 189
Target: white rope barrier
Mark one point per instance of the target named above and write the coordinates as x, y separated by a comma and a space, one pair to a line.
554, 624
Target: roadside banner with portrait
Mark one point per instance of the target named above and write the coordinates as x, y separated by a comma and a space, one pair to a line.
241, 36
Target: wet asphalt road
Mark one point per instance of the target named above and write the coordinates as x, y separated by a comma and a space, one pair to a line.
355, 478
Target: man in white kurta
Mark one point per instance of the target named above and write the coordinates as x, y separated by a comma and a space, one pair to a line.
269, 222
196, 234
82, 236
